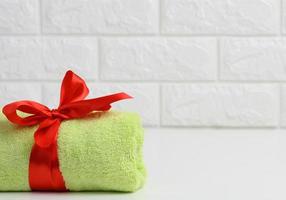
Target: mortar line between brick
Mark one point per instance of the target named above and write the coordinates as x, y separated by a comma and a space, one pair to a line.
98, 76
42, 93
160, 105
160, 16
279, 105
218, 76
40, 16
281, 18
134, 35
151, 81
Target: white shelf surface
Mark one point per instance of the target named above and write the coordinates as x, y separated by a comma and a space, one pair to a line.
202, 165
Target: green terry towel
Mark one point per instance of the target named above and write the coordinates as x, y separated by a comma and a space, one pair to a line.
100, 152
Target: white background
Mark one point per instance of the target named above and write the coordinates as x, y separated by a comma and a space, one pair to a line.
208, 77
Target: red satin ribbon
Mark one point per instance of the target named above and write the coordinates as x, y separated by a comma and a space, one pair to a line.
44, 172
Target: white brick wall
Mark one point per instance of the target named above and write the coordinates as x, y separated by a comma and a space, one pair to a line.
188, 63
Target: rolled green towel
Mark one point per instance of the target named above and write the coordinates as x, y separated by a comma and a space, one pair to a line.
102, 151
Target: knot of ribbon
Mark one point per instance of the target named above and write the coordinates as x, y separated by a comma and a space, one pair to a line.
44, 171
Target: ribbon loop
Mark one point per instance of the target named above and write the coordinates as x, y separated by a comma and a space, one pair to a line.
44, 172
38, 112
73, 89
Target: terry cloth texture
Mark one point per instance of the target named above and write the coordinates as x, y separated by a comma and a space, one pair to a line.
102, 151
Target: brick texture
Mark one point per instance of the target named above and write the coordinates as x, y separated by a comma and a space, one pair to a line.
220, 105
243, 17
103, 16
188, 63
158, 59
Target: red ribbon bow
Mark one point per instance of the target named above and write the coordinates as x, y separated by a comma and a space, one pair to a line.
44, 172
